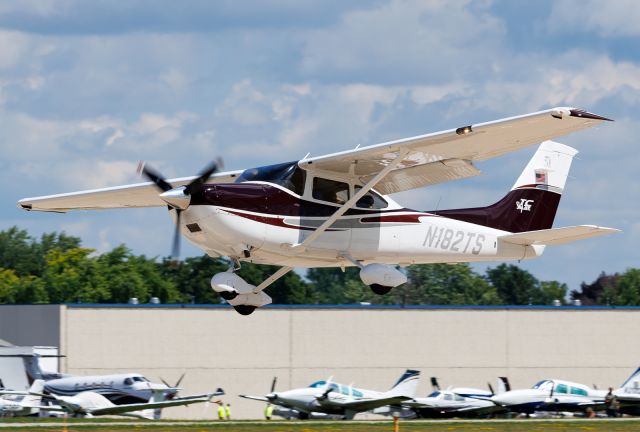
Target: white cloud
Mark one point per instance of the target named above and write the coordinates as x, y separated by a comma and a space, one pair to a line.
606, 18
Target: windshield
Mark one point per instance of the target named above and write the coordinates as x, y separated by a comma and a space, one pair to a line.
434, 394
318, 384
540, 384
287, 175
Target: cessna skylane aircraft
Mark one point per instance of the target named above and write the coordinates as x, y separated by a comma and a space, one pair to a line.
329, 398
324, 211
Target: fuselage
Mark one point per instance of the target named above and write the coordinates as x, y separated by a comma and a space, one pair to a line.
267, 220
117, 388
453, 403
315, 398
551, 395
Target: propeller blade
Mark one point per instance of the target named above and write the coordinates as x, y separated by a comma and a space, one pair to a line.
164, 382
204, 175
491, 388
180, 379
175, 250
154, 176
273, 384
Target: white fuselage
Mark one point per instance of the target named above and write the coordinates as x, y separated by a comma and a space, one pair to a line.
551, 395
118, 388
399, 236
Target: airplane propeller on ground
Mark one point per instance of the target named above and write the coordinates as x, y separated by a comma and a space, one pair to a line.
174, 392
178, 198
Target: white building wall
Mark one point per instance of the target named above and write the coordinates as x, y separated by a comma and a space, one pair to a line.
371, 347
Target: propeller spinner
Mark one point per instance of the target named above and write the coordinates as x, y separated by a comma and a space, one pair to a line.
178, 198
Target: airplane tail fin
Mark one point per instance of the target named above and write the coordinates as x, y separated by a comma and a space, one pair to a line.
632, 384
407, 385
503, 385
34, 400
532, 202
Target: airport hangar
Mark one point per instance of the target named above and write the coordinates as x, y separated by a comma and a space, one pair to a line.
367, 345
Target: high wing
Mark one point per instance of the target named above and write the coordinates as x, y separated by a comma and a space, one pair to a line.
127, 196
449, 155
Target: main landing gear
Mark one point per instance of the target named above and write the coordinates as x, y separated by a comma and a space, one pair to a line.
244, 297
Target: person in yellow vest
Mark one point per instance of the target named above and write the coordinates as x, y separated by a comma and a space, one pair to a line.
268, 411
221, 411
227, 411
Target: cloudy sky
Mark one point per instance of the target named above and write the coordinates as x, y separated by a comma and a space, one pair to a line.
89, 88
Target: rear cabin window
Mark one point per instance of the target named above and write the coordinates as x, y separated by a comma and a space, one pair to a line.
371, 200
578, 391
288, 175
330, 190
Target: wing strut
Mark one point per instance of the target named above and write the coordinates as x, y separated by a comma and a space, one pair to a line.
271, 279
354, 199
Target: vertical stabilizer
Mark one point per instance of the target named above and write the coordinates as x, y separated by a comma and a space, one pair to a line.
632, 384
532, 202
34, 398
406, 385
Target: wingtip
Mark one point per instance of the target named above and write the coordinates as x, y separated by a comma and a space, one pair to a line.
581, 113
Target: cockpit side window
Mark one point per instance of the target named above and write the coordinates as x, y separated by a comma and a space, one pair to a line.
288, 175
330, 190
371, 200
128, 381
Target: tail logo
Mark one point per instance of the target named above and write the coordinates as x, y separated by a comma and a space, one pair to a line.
524, 205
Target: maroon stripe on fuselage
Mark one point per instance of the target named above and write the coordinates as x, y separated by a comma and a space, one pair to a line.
275, 221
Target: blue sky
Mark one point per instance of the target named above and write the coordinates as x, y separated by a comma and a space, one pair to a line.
89, 88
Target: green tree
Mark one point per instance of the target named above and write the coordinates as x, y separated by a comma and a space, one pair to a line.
445, 284
26, 256
31, 290
72, 276
8, 282
192, 277
550, 291
329, 283
289, 289
514, 285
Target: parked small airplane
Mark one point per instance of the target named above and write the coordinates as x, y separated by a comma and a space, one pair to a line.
329, 398
28, 403
118, 388
90, 404
452, 402
324, 211
550, 395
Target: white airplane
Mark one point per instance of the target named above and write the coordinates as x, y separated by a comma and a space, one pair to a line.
452, 402
324, 211
550, 395
28, 403
90, 404
118, 388
329, 398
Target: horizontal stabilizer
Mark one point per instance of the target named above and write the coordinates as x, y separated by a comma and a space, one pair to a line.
556, 236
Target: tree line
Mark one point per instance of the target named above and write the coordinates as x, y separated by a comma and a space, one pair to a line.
55, 268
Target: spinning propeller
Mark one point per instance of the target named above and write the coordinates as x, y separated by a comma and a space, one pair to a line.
178, 198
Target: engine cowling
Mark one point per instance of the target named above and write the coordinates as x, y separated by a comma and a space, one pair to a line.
382, 277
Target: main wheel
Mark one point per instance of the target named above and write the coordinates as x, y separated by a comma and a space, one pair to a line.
228, 295
244, 309
380, 289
